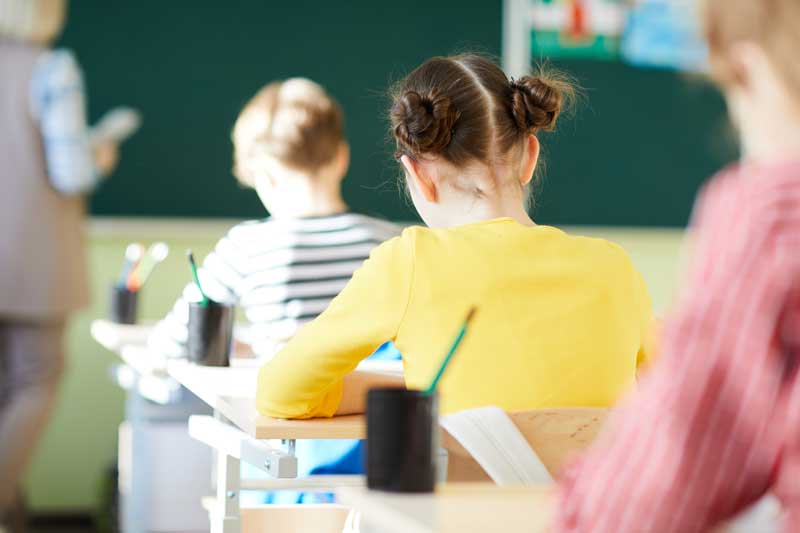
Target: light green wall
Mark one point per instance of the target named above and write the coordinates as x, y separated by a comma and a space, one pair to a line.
81, 441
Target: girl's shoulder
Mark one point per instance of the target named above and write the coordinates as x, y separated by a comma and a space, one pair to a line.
406, 237
596, 251
396, 227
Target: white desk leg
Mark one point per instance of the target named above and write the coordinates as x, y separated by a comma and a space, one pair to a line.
226, 519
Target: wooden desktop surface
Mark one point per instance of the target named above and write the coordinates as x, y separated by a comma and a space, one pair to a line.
485, 507
229, 390
453, 508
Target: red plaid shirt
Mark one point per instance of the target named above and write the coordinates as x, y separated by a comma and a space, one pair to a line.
716, 423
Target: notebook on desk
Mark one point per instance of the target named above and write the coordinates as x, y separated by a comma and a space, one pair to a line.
496, 444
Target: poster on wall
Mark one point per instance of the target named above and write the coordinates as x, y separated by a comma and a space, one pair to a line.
666, 34
576, 28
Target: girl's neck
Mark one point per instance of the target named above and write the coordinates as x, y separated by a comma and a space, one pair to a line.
462, 212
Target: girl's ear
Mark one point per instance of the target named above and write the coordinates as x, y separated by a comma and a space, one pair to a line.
531, 160
419, 179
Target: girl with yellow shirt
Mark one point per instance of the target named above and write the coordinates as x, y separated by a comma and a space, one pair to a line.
562, 320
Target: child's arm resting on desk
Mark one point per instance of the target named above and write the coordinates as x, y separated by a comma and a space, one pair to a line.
305, 379
355, 387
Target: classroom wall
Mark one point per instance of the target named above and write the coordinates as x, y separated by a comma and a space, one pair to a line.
81, 442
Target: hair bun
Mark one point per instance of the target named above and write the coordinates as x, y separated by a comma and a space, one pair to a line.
536, 101
423, 123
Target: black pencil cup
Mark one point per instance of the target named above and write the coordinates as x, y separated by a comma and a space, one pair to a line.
210, 333
123, 305
402, 440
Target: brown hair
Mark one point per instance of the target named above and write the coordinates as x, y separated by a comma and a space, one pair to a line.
294, 122
464, 109
772, 24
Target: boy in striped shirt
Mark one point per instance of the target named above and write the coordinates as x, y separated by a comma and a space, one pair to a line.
283, 271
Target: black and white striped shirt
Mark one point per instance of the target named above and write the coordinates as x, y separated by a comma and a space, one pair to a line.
281, 272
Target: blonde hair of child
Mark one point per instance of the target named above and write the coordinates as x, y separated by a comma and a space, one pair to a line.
293, 122
33, 21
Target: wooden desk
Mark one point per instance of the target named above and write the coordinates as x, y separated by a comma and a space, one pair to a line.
230, 391
485, 507
238, 432
453, 508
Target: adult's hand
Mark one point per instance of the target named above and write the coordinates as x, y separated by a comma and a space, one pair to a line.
106, 157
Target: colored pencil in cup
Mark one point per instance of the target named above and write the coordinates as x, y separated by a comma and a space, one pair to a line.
447, 358
193, 266
156, 253
133, 254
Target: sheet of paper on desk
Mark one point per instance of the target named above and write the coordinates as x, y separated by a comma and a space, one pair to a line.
493, 440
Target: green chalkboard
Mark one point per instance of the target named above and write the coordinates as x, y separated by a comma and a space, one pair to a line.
634, 154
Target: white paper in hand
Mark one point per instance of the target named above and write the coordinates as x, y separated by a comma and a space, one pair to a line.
116, 126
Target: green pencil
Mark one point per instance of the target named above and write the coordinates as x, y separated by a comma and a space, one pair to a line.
461, 332
193, 265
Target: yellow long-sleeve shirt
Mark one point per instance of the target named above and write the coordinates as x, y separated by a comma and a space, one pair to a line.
561, 321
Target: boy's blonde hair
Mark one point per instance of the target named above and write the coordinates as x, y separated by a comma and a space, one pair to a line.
294, 122
772, 24
33, 21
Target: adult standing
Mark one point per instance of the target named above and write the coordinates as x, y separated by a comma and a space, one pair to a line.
49, 164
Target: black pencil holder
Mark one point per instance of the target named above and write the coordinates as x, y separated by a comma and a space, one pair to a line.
210, 333
123, 305
402, 440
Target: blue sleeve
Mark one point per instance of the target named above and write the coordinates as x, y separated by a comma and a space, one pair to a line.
58, 102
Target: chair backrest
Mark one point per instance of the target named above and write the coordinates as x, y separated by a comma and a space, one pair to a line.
554, 434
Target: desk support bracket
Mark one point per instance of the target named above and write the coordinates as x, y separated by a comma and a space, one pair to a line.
227, 439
